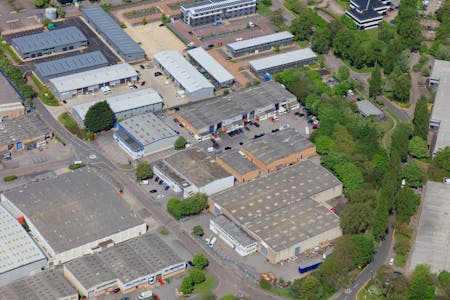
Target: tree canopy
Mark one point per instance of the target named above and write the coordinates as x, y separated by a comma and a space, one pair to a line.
99, 117
200, 261
143, 171
421, 119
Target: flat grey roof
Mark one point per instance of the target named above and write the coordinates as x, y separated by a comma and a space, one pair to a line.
148, 128
183, 72
238, 162
196, 166
8, 96
279, 207
212, 111
93, 77
112, 31
17, 248
282, 59
204, 6
432, 244
260, 40
48, 39
74, 208
71, 64
49, 284
441, 106
172, 174
212, 66
22, 128
232, 229
135, 258
278, 145
123, 102
367, 108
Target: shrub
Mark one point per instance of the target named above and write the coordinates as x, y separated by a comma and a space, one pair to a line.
9, 178
264, 284
180, 143
200, 261
76, 166
198, 230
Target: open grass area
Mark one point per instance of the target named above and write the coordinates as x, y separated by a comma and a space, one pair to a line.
68, 121
208, 285
44, 93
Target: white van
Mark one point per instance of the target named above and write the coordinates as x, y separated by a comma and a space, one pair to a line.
144, 182
145, 295
212, 242
77, 162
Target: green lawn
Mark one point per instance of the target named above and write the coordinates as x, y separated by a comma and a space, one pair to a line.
208, 285
68, 121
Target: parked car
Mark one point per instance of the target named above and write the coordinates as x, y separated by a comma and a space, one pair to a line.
227, 148
115, 291
228, 58
275, 130
191, 33
166, 188
135, 86
153, 191
241, 143
142, 83
161, 25
210, 46
142, 67
247, 128
256, 124
190, 263
158, 74
176, 120
125, 298
391, 261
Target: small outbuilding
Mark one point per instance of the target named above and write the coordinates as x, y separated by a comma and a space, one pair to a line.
367, 108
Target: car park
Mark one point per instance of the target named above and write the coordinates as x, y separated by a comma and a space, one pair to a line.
153, 191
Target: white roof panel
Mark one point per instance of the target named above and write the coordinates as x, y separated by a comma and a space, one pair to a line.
260, 40
282, 59
206, 61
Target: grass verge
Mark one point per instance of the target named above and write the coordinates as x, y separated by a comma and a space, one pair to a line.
9, 178
67, 120
11, 52
44, 93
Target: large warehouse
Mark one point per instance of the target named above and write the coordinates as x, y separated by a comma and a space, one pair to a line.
115, 36
280, 62
286, 212
89, 81
24, 132
71, 64
193, 171
227, 113
19, 254
49, 42
211, 11
431, 245
143, 135
46, 285
140, 262
124, 105
10, 99
440, 116
184, 74
220, 76
260, 43
86, 211
281, 149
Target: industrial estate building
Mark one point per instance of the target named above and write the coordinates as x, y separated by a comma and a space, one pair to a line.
19, 254
260, 43
89, 81
280, 149
440, 116
10, 99
49, 42
220, 76
24, 132
367, 14
286, 212
280, 62
184, 74
238, 165
71, 64
214, 11
143, 135
115, 36
367, 108
125, 105
73, 214
193, 171
228, 113
49, 284
431, 245
140, 262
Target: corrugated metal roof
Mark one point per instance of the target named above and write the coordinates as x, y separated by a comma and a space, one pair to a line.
48, 39
206, 61
112, 31
71, 64
282, 59
260, 40
183, 72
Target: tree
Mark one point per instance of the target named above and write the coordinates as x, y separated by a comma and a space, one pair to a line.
419, 288
198, 230
208, 295
380, 220
311, 288
444, 278
408, 25
421, 119
165, 19
350, 176
99, 117
229, 297
365, 248
180, 143
197, 276
267, 2
356, 218
301, 27
321, 40
144, 21
406, 204
60, 11
175, 208
401, 86
400, 140
144, 171
200, 261
324, 144
417, 148
295, 287
413, 175
375, 82
187, 286
46, 22
39, 3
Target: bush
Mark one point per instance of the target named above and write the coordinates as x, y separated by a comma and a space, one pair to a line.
264, 284
180, 143
197, 276
76, 166
198, 230
200, 261
144, 171
189, 206
9, 178
187, 286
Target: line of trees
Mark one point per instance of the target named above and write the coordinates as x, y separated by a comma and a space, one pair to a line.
187, 207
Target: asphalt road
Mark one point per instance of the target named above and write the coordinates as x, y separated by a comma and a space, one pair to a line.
380, 259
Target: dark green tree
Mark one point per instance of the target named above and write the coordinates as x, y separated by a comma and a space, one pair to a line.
406, 203
421, 119
296, 287
380, 219
200, 261
375, 82
301, 27
420, 287
311, 288
350, 176
197, 276
417, 148
400, 140
143, 171
408, 25
175, 208
324, 144
401, 87
180, 143
321, 40
99, 117
413, 175
365, 248
355, 218
187, 285
198, 230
